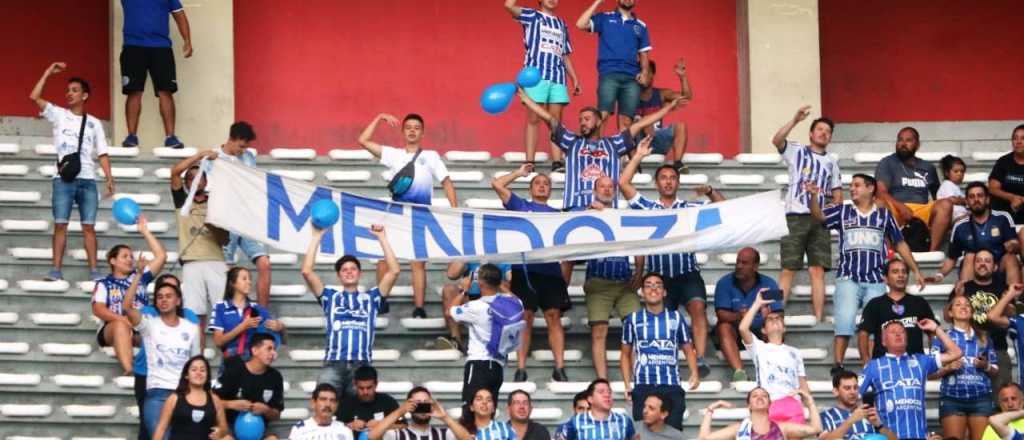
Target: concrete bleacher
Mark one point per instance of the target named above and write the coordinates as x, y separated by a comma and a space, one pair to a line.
54, 381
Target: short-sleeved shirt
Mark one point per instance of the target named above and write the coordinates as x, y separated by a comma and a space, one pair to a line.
656, 340
730, 296
147, 22
496, 430
778, 367
354, 409
110, 291
586, 161
584, 426
516, 203
609, 268
805, 165
237, 382
476, 315
967, 383
139, 361
909, 311
949, 189
309, 430
411, 433
1010, 175
834, 417
908, 183
668, 265
351, 324
969, 236
66, 126
862, 240
990, 434
227, 316
620, 41
667, 433
203, 242
899, 382
429, 167
1016, 332
546, 39
167, 349
983, 298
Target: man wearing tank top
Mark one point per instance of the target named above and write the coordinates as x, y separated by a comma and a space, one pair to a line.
668, 140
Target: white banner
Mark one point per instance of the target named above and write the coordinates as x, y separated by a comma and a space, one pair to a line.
277, 211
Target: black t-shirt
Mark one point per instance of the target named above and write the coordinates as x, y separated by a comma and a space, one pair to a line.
1010, 174
883, 309
983, 298
238, 383
352, 408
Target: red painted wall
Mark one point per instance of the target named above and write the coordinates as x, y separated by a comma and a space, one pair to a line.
315, 73
921, 60
35, 34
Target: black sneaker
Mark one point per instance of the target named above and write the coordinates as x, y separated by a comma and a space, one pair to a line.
681, 167
558, 375
836, 369
520, 375
419, 313
557, 166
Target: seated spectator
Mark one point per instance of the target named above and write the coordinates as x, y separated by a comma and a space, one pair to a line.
520, 406
1007, 178
983, 229
953, 171
983, 292
193, 411
236, 319
895, 305
779, 368
759, 425
420, 406
478, 418
321, 425
599, 418
254, 386
1004, 315
1001, 424
1010, 399
669, 140
734, 294
580, 405
466, 289
109, 293
656, 410
850, 418
966, 390
359, 412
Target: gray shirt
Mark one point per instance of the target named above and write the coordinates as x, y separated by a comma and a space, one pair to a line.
667, 433
913, 183
536, 431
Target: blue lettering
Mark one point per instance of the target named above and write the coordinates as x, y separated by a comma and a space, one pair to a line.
492, 224
422, 221
350, 232
707, 218
661, 224
468, 234
585, 221
278, 201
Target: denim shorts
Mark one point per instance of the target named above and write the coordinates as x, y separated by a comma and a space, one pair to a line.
849, 298
252, 248
81, 192
981, 406
618, 88
682, 289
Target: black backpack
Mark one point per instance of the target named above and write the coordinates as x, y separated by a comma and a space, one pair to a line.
915, 232
70, 165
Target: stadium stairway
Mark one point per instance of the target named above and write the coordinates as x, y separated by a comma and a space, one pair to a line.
55, 382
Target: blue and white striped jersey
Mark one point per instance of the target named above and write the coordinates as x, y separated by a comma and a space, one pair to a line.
610, 268
110, 291
584, 427
807, 166
351, 320
1016, 332
496, 430
546, 39
656, 340
968, 383
668, 265
586, 161
862, 245
832, 418
899, 382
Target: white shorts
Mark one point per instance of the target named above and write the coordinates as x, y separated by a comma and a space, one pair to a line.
202, 284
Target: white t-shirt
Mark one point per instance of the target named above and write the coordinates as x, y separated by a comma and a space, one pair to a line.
66, 126
411, 433
778, 368
429, 167
167, 349
950, 189
475, 314
309, 430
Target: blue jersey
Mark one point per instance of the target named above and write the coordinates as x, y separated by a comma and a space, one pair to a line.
1016, 332
620, 41
110, 291
496, 431
351, 320
139, 362
610, 268
226, 316
862, 241
474, 286
147, 22
546, 38
656, 340
833, 417
967, 383
969, 236
899, 382
516, 203
584, 427
586, 161
807, 166
668, 265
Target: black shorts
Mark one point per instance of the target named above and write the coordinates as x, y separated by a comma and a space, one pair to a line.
481, 374
99, 335
136, 61
541, 291
680, 290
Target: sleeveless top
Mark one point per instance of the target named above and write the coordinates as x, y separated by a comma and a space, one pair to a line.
746, 432
644, 108
192, 422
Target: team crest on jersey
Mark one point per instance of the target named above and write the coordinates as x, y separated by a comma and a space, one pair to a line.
267, 395
890, 406
898, 309
591, 173
995, 232
913, 363
184, 336
596, 154
197, 415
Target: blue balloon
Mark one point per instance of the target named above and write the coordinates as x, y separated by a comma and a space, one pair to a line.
528, 77
126, 211
874, 437
325, 213
497, 97
249, 426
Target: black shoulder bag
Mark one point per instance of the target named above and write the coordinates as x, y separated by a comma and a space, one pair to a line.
402, 180
70, 165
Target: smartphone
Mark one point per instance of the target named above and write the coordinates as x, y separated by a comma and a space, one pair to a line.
773, 295
423, 408
868, 398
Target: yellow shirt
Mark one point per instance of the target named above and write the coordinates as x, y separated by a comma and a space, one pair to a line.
990, 434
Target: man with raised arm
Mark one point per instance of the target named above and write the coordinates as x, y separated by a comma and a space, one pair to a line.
668, 140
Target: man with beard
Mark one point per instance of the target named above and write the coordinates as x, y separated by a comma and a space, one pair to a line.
983, 229
850, 418
984, 291
322, 425
421, 407
908, 185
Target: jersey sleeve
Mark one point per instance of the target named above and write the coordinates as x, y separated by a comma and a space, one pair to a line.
99, 293
931, 362
217, 321
892, 231
623, 142
1006, 229
51, 112
527, 16
837, 176
568, 40
640, 202
174, 6
630, 429
870, 372
563, 137
469, 312
597, 23
790, 151
683, 332
834, 217
628, 331
645, 39
827, 423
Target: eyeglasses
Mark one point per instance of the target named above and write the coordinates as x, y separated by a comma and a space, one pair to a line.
654, 285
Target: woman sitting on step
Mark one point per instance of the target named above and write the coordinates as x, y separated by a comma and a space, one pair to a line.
757, 426
236, 319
